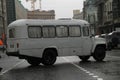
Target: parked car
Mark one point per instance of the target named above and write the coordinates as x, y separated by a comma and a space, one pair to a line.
113, 39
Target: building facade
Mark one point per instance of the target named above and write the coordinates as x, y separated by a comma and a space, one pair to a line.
3, 20
11, 15
105, 16
90, 14
109, 15
15, 10
77, 14
116, 14
36, 14
21, 12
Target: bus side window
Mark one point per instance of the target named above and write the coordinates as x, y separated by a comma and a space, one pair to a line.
12, 33
62, 31
86, 31
74, 31
48, 31
34, 32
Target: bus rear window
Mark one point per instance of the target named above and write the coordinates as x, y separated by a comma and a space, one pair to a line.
12, 33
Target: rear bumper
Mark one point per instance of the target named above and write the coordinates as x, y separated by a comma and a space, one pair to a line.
13, 54
17, 54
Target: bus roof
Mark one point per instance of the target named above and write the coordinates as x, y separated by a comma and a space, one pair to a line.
37, 22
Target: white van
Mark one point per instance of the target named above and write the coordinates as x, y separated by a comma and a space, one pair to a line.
43, 40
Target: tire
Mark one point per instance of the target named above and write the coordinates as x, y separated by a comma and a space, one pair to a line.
84, 58
49, 57
34, 61
99, 53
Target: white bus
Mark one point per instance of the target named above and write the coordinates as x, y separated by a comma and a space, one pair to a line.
41, 41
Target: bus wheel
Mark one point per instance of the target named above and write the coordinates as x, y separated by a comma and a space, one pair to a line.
34, 61
84, 58
99, 53
49, 57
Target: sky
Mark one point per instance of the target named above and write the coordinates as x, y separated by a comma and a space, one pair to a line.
63, 8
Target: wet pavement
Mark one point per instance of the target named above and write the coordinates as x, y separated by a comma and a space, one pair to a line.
65, 68
62, 70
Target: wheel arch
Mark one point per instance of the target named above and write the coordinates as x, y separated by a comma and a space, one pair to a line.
102, 45
99, 52
51, 48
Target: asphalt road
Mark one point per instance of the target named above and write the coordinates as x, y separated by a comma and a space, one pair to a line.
65, 68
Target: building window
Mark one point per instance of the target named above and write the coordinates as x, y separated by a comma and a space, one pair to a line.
12, 33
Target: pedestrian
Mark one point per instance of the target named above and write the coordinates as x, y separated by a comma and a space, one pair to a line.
1, 44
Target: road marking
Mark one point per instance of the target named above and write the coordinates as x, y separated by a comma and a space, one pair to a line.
113, 56
11, 67
91, 74
83, 69
88, 72
99, 79
95, 76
